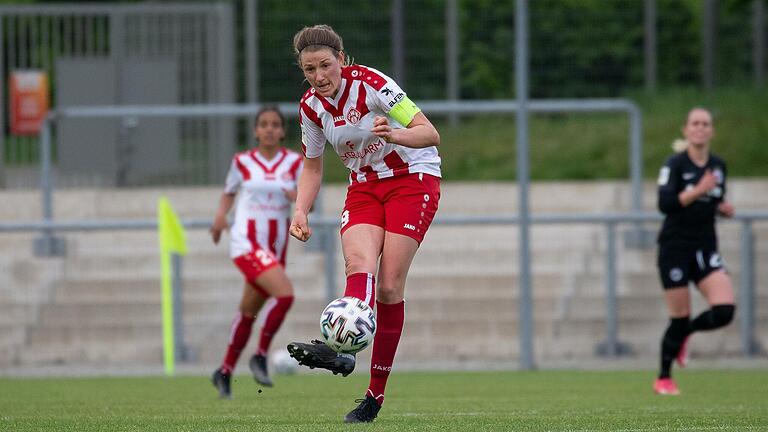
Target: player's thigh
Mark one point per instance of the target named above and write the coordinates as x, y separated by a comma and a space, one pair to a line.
396, 259
361, 245
262, 269
678, 300
411, 204
275, 282
252, 299
717, 288
362, 206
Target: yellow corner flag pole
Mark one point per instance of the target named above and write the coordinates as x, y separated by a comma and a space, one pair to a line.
172, 240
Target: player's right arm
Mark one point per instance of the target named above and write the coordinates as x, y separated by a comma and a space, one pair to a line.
312, 144
309, 186
232, 184
220, 220
668, 182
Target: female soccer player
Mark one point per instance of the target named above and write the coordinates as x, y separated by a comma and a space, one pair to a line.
691, 193
390, 148
266, 177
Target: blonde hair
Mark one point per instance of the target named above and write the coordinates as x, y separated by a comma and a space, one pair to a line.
679, 145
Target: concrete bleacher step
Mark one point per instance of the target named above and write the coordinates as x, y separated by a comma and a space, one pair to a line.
195, 264
129, 314
459, 283
140, 351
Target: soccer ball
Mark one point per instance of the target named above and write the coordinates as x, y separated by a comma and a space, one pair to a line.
347, 325
283, 363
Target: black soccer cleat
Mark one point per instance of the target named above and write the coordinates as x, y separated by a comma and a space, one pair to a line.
258, 365
319, 355
366, 412
222, 382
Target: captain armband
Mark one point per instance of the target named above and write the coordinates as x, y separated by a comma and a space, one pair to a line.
404, 111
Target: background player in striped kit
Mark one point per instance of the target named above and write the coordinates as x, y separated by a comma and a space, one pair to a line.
266, 179
390, 148
691, 193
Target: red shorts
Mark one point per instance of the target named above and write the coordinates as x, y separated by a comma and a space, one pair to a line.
254, 263
403, 205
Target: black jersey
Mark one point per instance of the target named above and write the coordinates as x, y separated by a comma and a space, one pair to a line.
694, 225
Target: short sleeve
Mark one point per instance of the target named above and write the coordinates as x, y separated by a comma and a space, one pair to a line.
668, 185
234, 178
312, 136
392, 99
387, 94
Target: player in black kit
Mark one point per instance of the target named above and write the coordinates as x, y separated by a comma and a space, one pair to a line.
691, 194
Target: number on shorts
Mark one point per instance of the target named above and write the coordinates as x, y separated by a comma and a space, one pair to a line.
264, 258
344, 218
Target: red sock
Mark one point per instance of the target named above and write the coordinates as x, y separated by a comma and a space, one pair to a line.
362, 286
241, 331
389, 326
274, 316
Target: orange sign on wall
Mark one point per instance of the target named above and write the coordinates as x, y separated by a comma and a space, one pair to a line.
29, 96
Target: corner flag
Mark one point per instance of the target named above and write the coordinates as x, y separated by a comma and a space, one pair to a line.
172, 239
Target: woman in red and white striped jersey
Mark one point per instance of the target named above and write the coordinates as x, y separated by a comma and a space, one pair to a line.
390, 148
265, 178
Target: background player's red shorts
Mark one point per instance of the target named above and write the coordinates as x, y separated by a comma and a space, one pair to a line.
254, 263
403, 205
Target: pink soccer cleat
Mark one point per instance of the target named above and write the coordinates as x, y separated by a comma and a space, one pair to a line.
682, 356
666, 386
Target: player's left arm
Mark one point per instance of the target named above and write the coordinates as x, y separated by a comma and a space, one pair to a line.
418, 133
396, 105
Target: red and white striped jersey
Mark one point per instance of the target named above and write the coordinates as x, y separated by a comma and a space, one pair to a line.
346, 122
262, 211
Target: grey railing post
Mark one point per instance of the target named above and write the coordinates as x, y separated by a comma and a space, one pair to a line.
611, 347
758, 42
611, 306
452, 55
747, 288
637, 238
329, 246
47, 244
397, 30
252, 50
525, 302
649, 44
179, 348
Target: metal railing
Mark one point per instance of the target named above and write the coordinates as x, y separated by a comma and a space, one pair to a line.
49, 245
611, 347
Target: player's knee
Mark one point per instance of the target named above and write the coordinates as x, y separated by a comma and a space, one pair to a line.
722, 315
356, 263
388, 294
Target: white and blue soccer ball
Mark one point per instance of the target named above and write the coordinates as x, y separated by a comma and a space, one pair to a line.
347, 325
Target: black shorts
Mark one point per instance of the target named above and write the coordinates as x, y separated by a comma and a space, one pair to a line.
678, 266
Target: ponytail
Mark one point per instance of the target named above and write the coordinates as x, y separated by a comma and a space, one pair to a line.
679, 145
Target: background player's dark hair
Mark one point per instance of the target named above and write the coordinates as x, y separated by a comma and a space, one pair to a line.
270, 108
276, 110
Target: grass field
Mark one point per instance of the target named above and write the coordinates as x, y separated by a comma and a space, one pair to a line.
712, 400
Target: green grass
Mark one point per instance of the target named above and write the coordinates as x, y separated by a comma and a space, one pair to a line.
732, 400
595, 146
